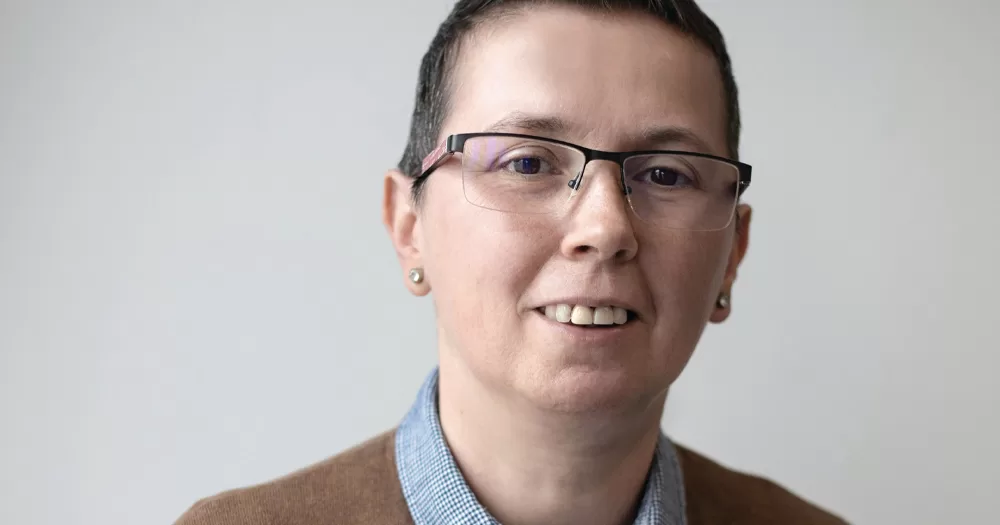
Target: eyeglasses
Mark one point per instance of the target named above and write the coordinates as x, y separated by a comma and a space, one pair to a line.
525, 174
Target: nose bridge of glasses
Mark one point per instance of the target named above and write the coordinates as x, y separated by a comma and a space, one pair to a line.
600, 202
599, 169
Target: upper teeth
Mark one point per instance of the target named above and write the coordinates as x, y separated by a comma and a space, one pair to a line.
585, 315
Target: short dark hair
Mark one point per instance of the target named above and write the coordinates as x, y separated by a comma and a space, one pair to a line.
437, 66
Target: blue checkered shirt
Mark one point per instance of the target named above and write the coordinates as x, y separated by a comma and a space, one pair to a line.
437, 494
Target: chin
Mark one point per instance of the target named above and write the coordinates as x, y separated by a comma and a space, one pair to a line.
582, 388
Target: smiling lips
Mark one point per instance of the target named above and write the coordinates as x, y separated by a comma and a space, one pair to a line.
586, 315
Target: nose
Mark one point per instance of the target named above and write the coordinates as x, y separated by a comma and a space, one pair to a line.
599, 221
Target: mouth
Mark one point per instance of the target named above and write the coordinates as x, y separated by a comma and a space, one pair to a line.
588, 316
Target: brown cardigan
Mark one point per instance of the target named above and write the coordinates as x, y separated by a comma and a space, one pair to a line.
360, 487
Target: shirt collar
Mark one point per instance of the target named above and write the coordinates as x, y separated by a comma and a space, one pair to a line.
436, 492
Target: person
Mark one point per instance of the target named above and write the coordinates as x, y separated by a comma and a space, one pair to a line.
571, 194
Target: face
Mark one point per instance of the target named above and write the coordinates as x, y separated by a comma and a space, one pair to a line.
607, 79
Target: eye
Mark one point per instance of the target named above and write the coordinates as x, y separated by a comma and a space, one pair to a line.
667, 177
528, 160
526, 165
531, 165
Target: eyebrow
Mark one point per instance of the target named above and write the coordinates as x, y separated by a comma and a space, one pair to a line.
518, 121
556, 127
674, 135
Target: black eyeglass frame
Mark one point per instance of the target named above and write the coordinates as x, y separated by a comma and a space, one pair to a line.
456, 144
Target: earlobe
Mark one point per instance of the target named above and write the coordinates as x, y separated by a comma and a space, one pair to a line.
401, 222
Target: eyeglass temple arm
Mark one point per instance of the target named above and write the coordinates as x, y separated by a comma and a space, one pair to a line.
744, 183
435, 158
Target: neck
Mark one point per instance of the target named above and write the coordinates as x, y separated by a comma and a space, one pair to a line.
530, 466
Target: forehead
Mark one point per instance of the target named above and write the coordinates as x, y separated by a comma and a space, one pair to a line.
610, 77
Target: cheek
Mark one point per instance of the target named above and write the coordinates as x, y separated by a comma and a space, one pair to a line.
685, 273
480, 263
481, 251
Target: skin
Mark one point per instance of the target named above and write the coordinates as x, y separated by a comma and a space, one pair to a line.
547, 425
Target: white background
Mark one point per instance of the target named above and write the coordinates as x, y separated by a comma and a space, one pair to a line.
196, 292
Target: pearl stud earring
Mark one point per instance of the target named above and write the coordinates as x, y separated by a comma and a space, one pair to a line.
722, 302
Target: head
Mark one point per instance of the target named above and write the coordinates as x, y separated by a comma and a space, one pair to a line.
604, 74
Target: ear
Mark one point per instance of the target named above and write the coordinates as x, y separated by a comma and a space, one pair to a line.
741, 241
399, 215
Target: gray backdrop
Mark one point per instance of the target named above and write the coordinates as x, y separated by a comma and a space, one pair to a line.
196, 292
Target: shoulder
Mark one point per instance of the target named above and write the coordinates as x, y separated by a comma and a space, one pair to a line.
355, 486
718, 495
